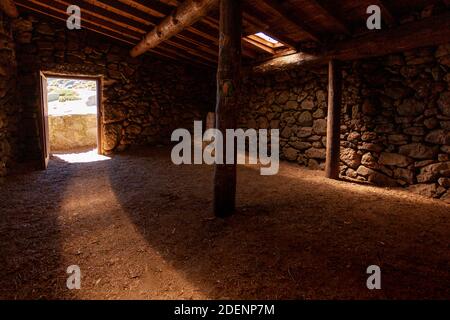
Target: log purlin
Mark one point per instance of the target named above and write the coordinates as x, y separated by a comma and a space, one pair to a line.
119, 29
423, 33
183, 16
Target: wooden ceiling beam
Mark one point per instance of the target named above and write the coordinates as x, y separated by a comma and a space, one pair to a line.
104, 27
182, 17
386, 13
332, 17
144, 20
55, 15
427, 32
259, 45
60, 7
157, 8
185, 43
292, 19
9, 7
258, 26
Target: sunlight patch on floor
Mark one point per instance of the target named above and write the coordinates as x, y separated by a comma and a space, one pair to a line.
83, 157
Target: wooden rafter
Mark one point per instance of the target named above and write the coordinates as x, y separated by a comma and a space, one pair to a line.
427, 32
130, 20
386, 13
332, 17
133, 15
291, 18
112, 24
184, 16
259, 26
259, 45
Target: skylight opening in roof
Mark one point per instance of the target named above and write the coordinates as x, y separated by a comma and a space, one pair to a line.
267, 38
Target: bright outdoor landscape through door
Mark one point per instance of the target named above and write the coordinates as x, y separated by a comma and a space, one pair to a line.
70, 118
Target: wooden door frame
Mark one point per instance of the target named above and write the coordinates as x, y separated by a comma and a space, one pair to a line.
43, 121
99, 80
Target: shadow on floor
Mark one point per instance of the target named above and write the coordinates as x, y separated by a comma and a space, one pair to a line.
296, 235
140, 227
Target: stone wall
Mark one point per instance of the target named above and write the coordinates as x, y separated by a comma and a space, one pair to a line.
72, 132
144, 99
395, 118
9, 109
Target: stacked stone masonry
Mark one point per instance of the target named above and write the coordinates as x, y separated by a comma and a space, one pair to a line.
395, 112
9, 109
144, 99
395, 118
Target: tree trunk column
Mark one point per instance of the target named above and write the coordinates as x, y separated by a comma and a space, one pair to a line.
334, 120
228, 87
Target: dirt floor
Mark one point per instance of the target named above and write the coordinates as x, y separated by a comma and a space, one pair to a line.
142, 228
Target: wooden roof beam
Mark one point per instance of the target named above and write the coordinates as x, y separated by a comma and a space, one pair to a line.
182, 17
259, 26
100, 25
9, 7
427, 32
287, 14
337, 21
386, 13
259, 45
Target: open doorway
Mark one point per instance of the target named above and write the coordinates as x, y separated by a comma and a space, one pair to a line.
70, 116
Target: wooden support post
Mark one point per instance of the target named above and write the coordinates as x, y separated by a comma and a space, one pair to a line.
334, 119
228, 87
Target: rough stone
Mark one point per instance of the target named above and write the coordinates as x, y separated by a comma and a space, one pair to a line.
411, 107
320, 127
446, 197
290, 154
380, 179
394, 159
351, 158
354, 136
426, 190
112, 136
304, 132
444, 182
300, 145
398, 139
305, 119
418, 151
444, 103
371, 147
415, 131
307, 104
432, 172
404, 174
394, 123
369, 161
438, 137
283, 98
315, 153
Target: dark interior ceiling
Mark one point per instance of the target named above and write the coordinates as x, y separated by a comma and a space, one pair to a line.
297, 24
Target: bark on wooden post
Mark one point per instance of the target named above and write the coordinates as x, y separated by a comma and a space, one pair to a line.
228, 87
334, 119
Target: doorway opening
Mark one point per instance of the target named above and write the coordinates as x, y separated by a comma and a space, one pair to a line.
70, 117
